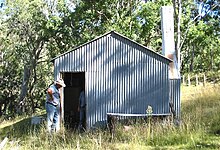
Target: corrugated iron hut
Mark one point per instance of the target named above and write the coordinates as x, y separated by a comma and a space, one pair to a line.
119, 76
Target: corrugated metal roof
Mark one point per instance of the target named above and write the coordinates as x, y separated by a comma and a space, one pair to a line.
115, 33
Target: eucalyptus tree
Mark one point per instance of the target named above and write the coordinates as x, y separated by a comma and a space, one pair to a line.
200, 50
24, 22
136, 19
9, 74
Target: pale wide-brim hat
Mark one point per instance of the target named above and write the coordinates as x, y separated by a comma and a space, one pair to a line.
60, 82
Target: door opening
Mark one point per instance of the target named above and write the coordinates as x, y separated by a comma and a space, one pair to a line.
75, 82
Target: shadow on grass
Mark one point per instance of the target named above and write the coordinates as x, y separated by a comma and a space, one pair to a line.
204, 145
21, 128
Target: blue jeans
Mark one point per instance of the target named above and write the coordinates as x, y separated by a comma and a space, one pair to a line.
53, 117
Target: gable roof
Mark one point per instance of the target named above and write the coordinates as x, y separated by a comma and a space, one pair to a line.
117, 34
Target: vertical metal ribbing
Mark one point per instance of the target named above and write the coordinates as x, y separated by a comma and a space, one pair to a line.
161, 84
138, 75
121, 76
150, 82
89, 103
109, 84
85, 58
113, 75
143, 85
63, 62
146, 79
156, 96
160, 98
82, 59
69, 62
116, 73
153, 85
104, 76
136, 79
100, 49
77, 60
175, 95
99, 82
130, 76
56, 68
116, 53
94, 77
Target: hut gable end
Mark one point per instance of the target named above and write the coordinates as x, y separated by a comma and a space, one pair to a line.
119, 76
118, 37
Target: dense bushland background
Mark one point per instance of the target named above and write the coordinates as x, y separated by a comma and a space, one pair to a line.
32, 32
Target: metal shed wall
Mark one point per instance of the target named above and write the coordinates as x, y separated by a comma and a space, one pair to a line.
121, 76
175, 95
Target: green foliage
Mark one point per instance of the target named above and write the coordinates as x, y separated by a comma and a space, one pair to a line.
200, 50
23, 46
34, 31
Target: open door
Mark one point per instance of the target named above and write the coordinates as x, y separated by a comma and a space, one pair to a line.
75, 82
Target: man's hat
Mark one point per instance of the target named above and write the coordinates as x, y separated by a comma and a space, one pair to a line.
60, 82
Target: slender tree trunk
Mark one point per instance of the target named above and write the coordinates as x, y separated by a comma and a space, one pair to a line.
31, 90
174, 10
192, 59
178, 34
211, 59
28, 71
0, 110
177, 6
5, 107
24, 88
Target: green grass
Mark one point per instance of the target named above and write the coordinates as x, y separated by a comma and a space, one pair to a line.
199, 129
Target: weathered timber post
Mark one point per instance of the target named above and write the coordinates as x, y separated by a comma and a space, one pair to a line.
189, 82
204, 80
197, 80
184, 82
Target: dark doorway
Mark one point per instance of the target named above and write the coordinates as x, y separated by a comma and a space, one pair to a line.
75, 82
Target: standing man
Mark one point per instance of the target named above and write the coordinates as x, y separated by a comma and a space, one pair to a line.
53, 105
81, 108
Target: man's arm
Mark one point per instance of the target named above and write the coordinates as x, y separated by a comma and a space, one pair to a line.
50, 93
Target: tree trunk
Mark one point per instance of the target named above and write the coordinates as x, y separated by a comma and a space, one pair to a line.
24, 88
192, 59
177, 6
211, 58
0, 110
178, 34
30, 69
5, 107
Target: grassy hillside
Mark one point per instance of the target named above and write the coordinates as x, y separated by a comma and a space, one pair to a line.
199, 129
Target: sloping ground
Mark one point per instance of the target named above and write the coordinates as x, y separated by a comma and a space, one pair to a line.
199, 129
203, 105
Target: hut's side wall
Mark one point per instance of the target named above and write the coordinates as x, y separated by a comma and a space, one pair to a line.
120, 76
175, 95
